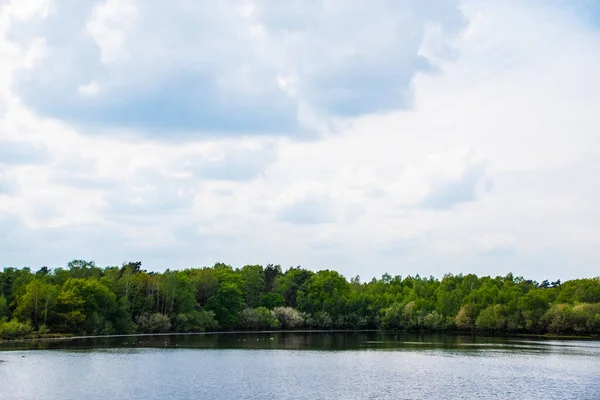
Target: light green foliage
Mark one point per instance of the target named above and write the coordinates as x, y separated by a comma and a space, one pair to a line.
253, 278
195, 321
3, 307
37, 303
410, 316
257, 319
14, 329
587, 317
534, 305
85, 304
86, 299
560, 319
465, 319
325, 291
434, 321
288, 317
491, 319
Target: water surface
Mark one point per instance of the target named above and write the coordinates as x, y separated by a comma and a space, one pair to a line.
301, 365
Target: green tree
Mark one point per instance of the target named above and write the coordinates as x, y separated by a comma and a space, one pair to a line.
326, 291
465, 319
491, 319
37, 303
253, 278
226, 303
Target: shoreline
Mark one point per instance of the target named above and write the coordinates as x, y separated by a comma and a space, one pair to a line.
67, 337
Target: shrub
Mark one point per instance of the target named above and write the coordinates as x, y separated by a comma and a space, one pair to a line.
195, 321
288, 318
434, 321
491, 319
154, 323
257, 318
559, 318
14, 330
586, 317
320, 320
465, 319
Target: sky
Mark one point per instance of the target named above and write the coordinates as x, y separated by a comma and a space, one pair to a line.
401, 136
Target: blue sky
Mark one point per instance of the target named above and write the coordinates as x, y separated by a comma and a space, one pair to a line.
368, 136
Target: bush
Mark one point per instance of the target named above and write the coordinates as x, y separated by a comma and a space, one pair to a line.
586, 317
320, 320
257, 318
559, 319
195, 321
393, 317
465, 319
14, 330
288, 318
434, 321
491, 319
351, 321
154, 323
400, 317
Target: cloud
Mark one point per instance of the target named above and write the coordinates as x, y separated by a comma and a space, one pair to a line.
448, 192
308, 211
15, 152
167, 135
108, 26
91, 89
495, 241
238, 162
7, 186
202, 69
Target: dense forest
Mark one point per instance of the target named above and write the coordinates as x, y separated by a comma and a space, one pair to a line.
84, 299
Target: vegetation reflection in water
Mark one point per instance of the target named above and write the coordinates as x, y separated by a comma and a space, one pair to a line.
313, 340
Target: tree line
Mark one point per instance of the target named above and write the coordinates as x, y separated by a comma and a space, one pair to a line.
85, 299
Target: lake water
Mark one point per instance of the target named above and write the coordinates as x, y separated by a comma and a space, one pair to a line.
301, 365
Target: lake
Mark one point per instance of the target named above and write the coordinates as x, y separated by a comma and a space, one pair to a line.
300, 365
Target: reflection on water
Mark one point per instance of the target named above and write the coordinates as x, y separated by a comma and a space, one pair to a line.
300, 365
314, 340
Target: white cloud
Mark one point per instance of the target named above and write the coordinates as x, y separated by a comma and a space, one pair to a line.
491, 170
90, 89
109, 25
197, 67
495, 241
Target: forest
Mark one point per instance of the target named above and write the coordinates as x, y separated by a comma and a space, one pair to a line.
84, 299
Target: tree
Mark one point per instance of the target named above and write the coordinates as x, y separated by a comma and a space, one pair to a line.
4, 311
491, 319
36, 303
272, 272
325, 291
253, 278
87, 306
465, 319
288, 284
226, 303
